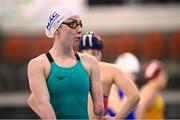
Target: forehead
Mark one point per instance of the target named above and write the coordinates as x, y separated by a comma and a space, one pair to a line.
75, 17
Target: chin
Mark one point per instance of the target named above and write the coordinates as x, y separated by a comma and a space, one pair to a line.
75, 43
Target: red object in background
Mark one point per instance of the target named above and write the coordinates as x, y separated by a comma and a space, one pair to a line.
40, 45
15, 49
108, 45
175, 45
126, 42
153, 45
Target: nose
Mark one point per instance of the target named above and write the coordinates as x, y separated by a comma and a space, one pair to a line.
79, 30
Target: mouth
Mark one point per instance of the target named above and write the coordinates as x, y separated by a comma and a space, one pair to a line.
77, 39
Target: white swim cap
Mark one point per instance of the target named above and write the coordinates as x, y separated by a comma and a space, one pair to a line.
128, 62
56, 18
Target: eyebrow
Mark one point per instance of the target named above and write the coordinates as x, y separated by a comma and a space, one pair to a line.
71, 19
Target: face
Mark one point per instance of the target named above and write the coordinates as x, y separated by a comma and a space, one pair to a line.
95, 53
163, 79
71, 29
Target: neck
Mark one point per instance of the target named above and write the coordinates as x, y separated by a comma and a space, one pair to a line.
61, 50
155, 85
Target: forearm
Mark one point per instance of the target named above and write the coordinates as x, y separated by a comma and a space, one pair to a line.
126, 108
99, 110
46, 111
98, 106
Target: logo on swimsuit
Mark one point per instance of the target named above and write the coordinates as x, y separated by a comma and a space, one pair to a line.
60, 77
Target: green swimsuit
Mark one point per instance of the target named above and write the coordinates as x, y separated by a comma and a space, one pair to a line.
68, 88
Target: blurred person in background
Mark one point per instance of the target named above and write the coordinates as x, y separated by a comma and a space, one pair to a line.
130, 65
152, 105
110, 74
61, 79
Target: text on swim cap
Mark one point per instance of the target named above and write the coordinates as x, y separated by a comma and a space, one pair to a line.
52, 18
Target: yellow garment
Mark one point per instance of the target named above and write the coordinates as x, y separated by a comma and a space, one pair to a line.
156, 110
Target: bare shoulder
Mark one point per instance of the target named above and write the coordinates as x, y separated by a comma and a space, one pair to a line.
89, 62
38, 62
147, 89
87, 58
109, 66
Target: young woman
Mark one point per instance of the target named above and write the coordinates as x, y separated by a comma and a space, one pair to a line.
151, 105
110, 74
61, 79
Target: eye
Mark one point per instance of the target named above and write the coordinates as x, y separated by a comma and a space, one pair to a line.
73, 24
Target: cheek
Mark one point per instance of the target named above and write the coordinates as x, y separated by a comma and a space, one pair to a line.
67, 35
70, 31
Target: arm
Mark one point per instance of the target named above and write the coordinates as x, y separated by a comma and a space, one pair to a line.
96, 89
114, 100
32, 102
145, 102
130, 91
39, 89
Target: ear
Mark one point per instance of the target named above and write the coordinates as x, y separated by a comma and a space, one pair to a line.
57, 31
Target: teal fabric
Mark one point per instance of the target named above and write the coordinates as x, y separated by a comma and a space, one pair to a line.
68, 89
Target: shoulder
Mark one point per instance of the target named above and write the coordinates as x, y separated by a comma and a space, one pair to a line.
147, 89
89, 62
147, 98
87, 58
110, 67
38, 62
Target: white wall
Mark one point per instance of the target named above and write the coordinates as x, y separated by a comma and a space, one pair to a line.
30, 17
133, 18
